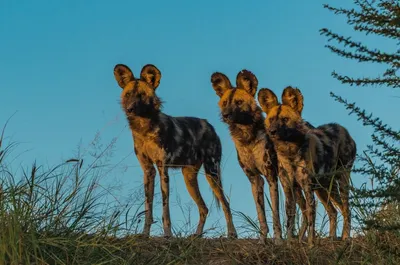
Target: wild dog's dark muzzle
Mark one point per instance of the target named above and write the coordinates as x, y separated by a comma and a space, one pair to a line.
242, 117
226, 115
237, 116
141, 109
130, 108
273, 132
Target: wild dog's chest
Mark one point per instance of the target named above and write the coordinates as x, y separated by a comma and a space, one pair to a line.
150, 148
307, 159
291, 154
255, 157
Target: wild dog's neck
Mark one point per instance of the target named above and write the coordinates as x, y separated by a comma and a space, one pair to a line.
248, 133
296, 140
142, 126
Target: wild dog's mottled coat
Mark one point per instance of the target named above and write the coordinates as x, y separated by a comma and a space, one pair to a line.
319, 159
255, 152
165, 141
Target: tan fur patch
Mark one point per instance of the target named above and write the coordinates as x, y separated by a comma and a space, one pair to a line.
239, 95
284, 112
138, 87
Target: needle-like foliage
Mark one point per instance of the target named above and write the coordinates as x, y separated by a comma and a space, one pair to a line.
381, 160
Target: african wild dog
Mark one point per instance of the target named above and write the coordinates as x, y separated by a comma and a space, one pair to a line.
255, 151
177, 142
319, 159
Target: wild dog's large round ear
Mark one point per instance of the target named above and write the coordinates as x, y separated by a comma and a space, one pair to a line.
248, 81
123, 75
267, 99
151, 75
292, 97
220, 83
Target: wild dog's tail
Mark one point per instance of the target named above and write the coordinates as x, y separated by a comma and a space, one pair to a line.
213, 174
212, 164
212, 168
218, 180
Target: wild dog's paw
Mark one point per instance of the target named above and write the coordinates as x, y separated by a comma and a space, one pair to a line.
232, 235
278, 241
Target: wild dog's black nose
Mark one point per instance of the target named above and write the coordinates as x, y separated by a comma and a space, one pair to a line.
272, 131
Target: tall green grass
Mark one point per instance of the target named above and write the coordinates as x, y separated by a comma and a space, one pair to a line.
64, 215
60, 215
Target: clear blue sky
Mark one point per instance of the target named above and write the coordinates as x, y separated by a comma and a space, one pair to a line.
57, 59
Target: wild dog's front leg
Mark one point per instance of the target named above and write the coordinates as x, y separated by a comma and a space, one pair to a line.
290, 207
149, 176
301, 201
288, 184
257, 188
310, 199
305, 181
164, 180
273, 190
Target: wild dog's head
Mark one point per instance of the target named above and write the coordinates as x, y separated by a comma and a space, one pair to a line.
237, 104
138, 97
284, 120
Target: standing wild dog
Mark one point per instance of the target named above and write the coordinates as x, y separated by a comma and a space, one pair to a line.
255, 151
318, 159
165, 141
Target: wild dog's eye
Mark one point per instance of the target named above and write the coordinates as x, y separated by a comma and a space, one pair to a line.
224, 103
127, 94
239, 102
285, 119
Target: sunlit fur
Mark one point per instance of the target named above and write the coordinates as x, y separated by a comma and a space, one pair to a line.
319, 159
255, 152
170, 142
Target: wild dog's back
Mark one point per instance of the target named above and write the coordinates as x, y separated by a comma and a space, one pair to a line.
189, 141
346, 145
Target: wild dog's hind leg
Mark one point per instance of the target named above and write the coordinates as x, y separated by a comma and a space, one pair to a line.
213, 175
190, 175
164, 180
326, 199
344, 187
